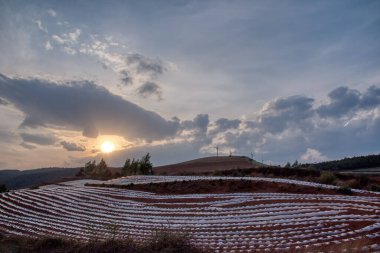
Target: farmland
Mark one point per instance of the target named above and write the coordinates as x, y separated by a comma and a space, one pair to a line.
240, 222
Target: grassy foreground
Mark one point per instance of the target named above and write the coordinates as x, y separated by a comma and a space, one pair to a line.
164, 242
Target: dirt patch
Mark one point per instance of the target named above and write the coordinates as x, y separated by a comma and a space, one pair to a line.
221, 186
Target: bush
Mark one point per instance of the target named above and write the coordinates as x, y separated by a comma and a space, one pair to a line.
363, 180
345, 190
375, 188
327, 178
3, 188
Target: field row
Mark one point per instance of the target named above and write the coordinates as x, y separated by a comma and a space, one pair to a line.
240, 222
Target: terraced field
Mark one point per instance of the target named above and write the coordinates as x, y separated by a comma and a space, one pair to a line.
234, 222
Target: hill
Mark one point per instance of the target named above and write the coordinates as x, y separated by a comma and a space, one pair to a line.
208, 164
16, 179
348, 163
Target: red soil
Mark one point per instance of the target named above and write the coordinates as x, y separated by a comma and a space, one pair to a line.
207, 164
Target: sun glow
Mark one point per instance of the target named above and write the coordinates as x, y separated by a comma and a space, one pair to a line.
107, 147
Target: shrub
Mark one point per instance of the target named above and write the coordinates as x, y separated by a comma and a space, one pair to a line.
327, 178
375, 188
3, 188
345, 190
363, 180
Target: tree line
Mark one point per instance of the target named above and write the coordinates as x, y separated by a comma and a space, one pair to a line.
351, 163
101, 170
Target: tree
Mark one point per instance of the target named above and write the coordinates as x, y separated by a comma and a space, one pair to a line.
134, 169
138, 167
146, 167
101, 169
87, 170
89, 167
295, 164
126, 167
287, 165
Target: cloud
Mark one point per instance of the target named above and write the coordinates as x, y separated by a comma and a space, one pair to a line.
342, 101
149, 89
73, 36
282, 113
371, 98
200, 123
69, 50
39, 139
84, 106
285, 127
3, 102
48, 46
145, 65
70, 146
40, 26
132, 68
58, 39
27, 145
312, 156
126, 78
52, 13
224, 124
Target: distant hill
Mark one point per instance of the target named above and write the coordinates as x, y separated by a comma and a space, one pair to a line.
351, 163
208, 164
16, 179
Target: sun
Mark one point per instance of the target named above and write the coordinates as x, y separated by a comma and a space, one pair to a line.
107, 147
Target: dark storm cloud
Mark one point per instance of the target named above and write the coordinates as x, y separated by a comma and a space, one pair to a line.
145, 65
199, 123
84, 106
148, 89
342, 101
39, 139
371, 98
283, 113
70, 146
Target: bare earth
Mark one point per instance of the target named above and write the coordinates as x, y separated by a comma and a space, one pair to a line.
207, 164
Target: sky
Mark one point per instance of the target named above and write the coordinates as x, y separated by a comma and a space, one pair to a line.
276, 80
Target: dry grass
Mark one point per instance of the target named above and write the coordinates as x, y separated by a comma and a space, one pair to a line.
162, 241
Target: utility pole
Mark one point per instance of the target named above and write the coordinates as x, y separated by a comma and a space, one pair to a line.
217, 150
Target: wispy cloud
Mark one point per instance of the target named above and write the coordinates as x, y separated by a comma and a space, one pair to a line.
40, 139
70, 146
52, 13
40, 26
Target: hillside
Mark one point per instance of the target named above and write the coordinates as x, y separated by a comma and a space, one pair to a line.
348, 163
208, 164
235, 214
16, 179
